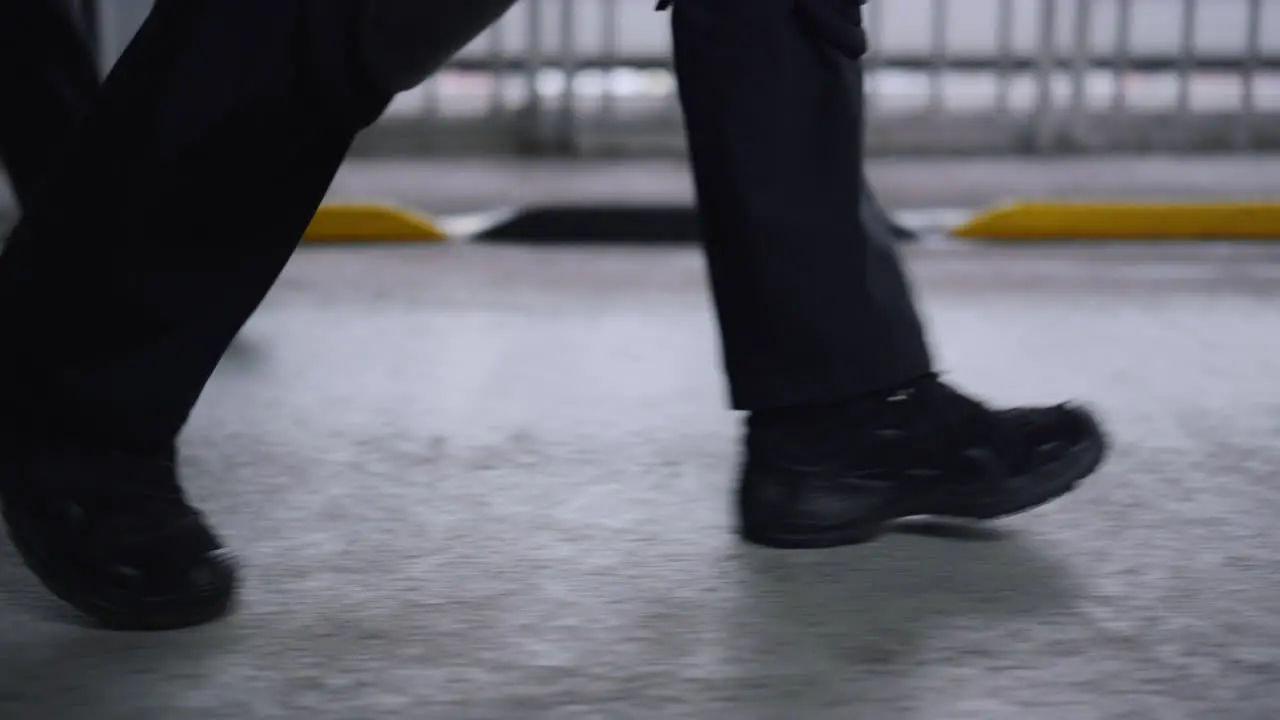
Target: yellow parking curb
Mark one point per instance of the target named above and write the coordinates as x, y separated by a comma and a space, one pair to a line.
379, 223
1130, 221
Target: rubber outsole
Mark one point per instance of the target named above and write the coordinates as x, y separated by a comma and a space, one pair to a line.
112, 611
1028, 492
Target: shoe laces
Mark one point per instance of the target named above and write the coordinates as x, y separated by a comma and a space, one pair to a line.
954, 421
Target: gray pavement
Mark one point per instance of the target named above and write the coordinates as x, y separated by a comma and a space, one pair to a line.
492, 482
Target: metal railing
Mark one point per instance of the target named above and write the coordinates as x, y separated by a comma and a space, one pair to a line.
1035, 76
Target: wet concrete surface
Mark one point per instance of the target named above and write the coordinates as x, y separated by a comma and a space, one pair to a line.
492, 482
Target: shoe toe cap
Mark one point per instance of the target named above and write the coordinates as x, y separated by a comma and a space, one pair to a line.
170, 596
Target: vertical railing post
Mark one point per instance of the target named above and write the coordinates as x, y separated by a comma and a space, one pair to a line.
1186, 67
566, 130
1044, 128
1244, 139
1081, 64
531, 126
610, 42
938, 57
1004, 53
1121, 61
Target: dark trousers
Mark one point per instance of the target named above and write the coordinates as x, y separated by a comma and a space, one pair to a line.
213, 140
813, 307
48, 79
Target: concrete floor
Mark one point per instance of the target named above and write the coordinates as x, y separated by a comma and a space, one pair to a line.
492, 482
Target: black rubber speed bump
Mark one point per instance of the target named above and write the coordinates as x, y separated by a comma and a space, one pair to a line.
597, 224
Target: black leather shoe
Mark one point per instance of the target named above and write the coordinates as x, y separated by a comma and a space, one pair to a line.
112, 535
837, 475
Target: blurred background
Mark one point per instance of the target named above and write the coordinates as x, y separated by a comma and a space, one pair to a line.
972, 103
593, 77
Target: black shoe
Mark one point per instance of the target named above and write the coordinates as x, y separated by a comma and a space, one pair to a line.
113, 535
825, 477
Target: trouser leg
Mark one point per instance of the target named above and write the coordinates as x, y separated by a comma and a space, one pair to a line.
810, 311
48, 78
198, 169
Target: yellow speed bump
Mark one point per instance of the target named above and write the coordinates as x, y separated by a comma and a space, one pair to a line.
378, 223
1111, 221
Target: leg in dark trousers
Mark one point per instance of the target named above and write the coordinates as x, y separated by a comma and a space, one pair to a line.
227, 119
48, 79
810, 311
849, 429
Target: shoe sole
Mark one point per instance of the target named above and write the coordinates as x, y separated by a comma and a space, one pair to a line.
1028, 492
115, 611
